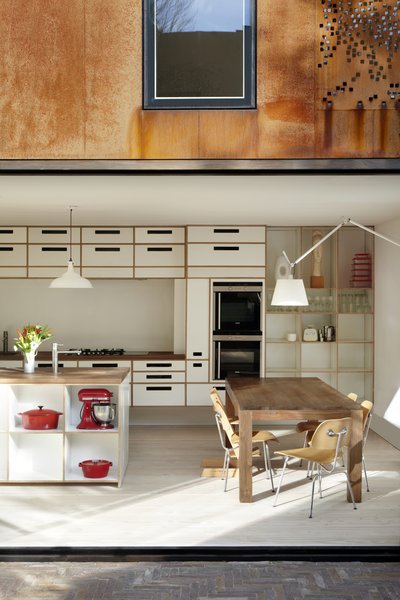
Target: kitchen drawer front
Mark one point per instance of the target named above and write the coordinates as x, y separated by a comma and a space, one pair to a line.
198, 394
12, 272
108, 363
160, 235
226, 254
227, 233
164, 377
107, 272
12, 235
159, 365
54, 255
53, 235
197, 371
47, 272
107, 235
103, 255
160, 256
158, 394
226, 272
12, 255
159, 272
62, 364
11, 364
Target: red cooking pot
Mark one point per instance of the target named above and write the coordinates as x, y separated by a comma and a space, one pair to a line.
40, 418
95, 468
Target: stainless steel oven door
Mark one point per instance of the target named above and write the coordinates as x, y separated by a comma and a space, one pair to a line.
236, 356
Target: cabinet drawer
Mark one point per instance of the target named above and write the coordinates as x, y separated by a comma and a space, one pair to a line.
197, 371
226, 254
198, 394
13, 272
62, 364
55, 255
158, 394
226, 233
107, 256
12, 255
108, 363
164, 377
159, 272
12, 235
107, 235
107, 272
53, 235
159, 365
160, 256
159, 235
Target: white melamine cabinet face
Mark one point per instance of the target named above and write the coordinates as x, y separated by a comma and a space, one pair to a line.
160, 256
159, 235
11, 364
36, 456
54, 255
107, 235
218, 254
161, 377
159, 272
12, 235
198, 318
198, 394
110, 255
107, 364
62, 364
197, 371
12, 255
166, 394
53, 235
226, 233
107, 272
3, 456
159, 365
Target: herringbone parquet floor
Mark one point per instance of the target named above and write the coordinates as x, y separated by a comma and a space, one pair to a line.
200, 581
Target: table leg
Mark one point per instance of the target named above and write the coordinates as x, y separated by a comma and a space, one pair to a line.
354, 469
245, 457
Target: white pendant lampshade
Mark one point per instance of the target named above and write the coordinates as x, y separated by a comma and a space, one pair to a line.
289, 292
70, 279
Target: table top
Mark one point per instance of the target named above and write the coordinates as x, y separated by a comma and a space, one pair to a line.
297, 396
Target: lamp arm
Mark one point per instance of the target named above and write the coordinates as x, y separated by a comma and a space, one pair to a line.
321, 241
373, 232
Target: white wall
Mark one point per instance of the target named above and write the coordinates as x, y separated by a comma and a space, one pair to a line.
135, 315
387, 331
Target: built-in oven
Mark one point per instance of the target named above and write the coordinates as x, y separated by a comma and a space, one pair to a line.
237, 308
236, 355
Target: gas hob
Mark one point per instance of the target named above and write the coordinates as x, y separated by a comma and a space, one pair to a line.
99, 351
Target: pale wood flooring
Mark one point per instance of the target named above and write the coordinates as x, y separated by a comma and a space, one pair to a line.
165, 502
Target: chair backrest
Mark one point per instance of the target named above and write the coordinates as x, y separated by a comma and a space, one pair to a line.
353, 396
222, 419
332, 434
367, 407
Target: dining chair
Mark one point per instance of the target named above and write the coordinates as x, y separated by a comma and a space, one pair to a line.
367, 407
230, 440
324, 450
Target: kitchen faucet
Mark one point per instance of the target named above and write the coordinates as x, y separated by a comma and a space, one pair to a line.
56, 352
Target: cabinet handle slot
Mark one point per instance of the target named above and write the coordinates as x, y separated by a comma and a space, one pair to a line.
226, 248
159, 231
197, 364
107, 249
7, 249
6, 231
54, 231
107, 231
167, 376
101, 365
164, 388
197, 354
157, 365
220, 388
164, 249
53, 249
226, 230
43, 365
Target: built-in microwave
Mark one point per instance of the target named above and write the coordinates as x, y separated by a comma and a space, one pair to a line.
236, 355
237, 308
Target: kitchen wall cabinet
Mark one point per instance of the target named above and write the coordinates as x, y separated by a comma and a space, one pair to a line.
159, 235
107, 235
224, 233
160, 261
53, 235
13, 235
198, 319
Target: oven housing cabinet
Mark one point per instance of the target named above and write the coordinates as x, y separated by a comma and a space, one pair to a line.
237, 309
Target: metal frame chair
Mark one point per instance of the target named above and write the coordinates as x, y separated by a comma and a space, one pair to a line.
326, 446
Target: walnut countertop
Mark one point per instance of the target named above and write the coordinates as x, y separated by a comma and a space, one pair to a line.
70, 376
133, 355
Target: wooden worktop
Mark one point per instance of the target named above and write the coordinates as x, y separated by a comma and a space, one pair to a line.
70, 376
46, 356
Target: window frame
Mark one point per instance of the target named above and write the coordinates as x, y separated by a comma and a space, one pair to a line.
150, 102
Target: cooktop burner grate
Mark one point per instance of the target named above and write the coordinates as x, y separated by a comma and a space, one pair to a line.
100, 351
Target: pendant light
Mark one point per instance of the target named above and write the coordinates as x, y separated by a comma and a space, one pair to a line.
70, 279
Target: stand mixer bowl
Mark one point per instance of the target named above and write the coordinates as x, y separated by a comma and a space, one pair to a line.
104, 413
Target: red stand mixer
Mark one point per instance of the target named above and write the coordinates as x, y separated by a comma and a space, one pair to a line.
97, 411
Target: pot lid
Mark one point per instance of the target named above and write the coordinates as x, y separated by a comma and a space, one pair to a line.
94, 463
40, 411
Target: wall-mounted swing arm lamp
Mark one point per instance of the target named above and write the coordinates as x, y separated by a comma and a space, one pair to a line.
70, 279
291, 291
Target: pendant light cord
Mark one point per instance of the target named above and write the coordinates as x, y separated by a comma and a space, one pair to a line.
70, 234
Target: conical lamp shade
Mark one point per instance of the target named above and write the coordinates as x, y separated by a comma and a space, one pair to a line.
70, 279
289, 292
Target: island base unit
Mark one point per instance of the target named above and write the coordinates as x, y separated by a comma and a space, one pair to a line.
54, 455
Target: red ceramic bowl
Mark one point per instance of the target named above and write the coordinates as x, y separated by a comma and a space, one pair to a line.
95, 469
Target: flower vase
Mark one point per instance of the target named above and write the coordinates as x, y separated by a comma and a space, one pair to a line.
29, 362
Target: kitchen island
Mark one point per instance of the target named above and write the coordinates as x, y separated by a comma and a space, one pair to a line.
53, 455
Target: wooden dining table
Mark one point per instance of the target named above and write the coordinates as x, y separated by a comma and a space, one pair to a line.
290, 398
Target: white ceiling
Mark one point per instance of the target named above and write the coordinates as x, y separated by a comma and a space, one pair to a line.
198, 199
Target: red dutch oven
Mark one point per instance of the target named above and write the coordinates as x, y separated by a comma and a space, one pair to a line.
40, 418
95, 468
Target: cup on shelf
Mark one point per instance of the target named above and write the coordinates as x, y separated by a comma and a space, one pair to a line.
291, 337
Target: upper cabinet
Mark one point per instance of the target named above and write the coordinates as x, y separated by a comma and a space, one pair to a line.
107, 235
159, 252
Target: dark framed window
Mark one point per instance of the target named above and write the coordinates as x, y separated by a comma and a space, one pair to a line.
199, 53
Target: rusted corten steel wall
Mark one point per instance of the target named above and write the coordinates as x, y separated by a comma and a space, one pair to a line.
71, 85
